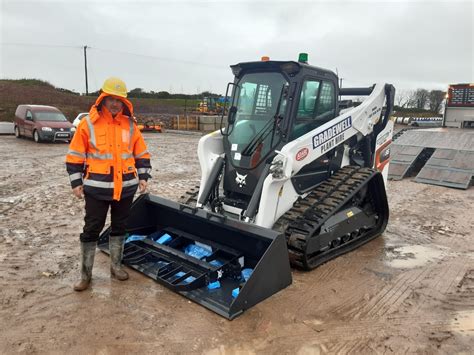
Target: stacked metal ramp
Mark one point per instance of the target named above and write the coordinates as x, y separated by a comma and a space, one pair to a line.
402, 161
438, 156
448, 167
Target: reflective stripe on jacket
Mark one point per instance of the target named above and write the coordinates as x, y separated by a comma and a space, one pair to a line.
108, 155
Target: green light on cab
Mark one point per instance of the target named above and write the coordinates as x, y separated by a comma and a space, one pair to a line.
303, 58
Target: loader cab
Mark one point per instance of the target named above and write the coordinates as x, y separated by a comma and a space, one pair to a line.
273, 102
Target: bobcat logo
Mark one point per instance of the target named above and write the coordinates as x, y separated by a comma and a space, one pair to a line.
240, 179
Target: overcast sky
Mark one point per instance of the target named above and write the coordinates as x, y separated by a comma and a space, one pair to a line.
187, 46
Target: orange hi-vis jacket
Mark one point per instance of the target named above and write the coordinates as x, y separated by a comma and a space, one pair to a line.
108, 155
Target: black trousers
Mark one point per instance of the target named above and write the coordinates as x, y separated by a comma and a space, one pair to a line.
96, 214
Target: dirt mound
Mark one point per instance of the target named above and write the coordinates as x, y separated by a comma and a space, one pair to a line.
38, 92
31, 91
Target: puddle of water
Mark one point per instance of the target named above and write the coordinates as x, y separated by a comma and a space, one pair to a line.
224, 350
463, 323
314, 349
314, 321
411, 256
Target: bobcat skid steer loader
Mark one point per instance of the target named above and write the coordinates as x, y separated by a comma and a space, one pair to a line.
294, 175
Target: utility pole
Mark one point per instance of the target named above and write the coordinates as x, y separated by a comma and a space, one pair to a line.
85, 69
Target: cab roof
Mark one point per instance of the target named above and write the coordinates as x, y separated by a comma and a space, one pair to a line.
290, 67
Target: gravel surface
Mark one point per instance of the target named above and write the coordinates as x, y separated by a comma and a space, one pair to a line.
411, 290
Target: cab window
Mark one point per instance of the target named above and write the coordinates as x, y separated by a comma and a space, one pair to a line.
307, 103
326, 109
317, 105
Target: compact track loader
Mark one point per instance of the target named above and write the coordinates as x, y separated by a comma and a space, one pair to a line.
150, 126
294, 175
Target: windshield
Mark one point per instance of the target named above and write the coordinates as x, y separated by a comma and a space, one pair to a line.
257, 100
50, 116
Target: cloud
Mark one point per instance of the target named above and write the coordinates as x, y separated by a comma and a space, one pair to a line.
188, 45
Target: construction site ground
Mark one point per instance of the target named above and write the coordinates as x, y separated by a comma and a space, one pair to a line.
409, 291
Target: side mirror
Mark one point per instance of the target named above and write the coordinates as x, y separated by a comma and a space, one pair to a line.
232, 110
232, 113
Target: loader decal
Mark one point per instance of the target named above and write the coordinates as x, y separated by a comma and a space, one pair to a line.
331, 133
302, 153
240, 179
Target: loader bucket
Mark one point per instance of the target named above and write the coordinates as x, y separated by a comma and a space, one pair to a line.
223, 264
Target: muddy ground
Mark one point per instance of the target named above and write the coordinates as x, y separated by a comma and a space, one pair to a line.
409, 291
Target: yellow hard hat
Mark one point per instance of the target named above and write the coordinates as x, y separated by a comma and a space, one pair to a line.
115, 86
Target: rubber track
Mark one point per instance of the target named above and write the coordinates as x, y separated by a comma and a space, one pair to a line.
307, 215
305, 219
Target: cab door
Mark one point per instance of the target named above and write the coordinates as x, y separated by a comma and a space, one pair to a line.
316, 106
28, 124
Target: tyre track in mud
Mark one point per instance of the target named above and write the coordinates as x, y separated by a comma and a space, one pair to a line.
356, 333
392, 295
441, 277
438, 289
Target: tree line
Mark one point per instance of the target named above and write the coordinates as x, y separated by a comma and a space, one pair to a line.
419, 100
139, 93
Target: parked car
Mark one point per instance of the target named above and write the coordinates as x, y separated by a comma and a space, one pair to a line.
6, 128
78, 118
42, 123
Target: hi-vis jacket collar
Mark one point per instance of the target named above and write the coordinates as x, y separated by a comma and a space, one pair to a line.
94, 111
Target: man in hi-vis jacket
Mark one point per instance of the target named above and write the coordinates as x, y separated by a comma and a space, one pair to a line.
107, 162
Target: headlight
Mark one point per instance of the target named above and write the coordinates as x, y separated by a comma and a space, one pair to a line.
279, 166
47, 129
73, 129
